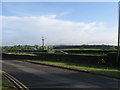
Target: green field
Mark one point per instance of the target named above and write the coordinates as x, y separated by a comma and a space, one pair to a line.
85, 49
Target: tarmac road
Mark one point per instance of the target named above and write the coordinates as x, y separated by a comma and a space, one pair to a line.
40, 76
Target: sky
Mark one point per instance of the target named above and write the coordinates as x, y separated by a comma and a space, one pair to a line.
60, 23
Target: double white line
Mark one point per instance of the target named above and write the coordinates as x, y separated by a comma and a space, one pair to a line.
15, 82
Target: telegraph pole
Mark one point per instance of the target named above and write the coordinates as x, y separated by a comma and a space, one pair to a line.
118, 33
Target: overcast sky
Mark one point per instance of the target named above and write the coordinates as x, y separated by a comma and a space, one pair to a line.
60, 23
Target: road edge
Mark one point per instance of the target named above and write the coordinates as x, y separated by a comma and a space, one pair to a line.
57, 66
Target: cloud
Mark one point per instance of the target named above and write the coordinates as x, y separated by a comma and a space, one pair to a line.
64, 13
29, 30
51, 16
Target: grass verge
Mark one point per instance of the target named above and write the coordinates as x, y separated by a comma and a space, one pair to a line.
109, 71
0, 83
6, 85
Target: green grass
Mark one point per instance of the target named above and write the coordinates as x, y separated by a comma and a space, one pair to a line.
88, 49
31, 53
84, 54
0, 82
6, 85
90, 54
19, 53
111, 71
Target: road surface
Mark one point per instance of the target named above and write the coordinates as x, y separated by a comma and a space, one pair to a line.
40, 76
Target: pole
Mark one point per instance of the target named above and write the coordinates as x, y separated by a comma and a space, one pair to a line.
118, 33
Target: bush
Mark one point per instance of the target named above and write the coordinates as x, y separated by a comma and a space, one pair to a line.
27, 50
112, 59
90, 51
84, 59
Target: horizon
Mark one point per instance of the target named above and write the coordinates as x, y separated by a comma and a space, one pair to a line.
65, 45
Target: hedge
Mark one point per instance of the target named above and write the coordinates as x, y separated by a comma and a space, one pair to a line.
90, 51
83, 59
109, 60
29, 50
113, 57
62, 57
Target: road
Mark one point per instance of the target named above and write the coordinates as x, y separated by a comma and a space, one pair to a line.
40, 76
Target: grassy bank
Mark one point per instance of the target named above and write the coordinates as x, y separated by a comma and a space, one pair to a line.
6, 85
0, 82
110, 71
